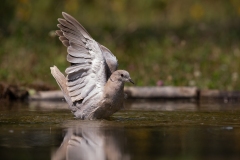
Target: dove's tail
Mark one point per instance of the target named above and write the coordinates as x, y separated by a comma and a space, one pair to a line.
61, 80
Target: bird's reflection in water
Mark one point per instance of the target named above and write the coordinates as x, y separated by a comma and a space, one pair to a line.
92, 142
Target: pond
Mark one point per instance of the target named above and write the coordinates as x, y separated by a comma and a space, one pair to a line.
143, 130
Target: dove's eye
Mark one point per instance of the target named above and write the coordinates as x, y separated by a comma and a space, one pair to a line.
121, 75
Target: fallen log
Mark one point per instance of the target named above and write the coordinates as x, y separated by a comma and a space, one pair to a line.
162, 92
220, 96
47, 95
132, 92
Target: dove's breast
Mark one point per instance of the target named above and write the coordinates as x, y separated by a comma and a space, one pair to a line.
112, 100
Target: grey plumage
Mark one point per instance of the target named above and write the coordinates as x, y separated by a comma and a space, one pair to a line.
93, 87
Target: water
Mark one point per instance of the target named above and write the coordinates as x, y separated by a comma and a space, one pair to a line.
144, 130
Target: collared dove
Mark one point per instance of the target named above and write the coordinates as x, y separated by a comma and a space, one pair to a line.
93, 87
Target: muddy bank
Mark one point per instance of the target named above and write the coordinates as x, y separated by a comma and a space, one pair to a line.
21, 92
12, 92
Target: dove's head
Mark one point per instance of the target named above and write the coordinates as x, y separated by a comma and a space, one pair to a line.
121, 75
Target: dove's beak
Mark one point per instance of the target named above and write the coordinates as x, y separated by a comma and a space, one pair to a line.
130, 80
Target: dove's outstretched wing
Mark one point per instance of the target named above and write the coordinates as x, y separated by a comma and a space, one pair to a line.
111, 60
87, 75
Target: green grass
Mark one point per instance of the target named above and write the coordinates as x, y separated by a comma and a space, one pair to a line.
153, 40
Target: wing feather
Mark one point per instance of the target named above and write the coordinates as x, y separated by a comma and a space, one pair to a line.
91, 95
111, 60
81, 49
75, 53
62, 38
75, 87
76, 98
87, 89
79, 27
71, 36
77, 90
78, 67
68, 25
86, 77
73, 83
77, 59
59, 32
76, 75
65, 43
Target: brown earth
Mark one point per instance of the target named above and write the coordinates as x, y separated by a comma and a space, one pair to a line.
20, 92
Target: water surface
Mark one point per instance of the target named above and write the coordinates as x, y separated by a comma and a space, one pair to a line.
143, 130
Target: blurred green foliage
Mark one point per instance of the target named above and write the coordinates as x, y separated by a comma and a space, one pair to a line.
182, 43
